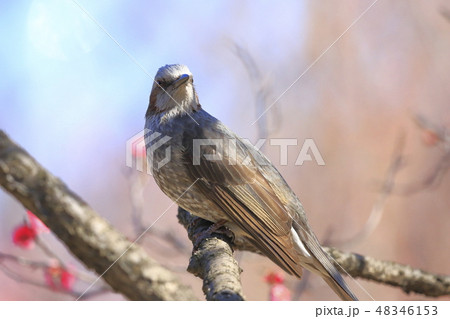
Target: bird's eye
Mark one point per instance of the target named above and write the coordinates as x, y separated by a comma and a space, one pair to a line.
162, 83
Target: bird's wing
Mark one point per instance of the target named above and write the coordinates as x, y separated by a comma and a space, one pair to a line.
236, 185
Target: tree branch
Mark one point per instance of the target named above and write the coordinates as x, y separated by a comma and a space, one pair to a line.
125, 265
16, 276
386, 272
390, 273
136, 275
212, 260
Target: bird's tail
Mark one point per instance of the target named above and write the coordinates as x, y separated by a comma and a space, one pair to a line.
339, 286
331, 275
319, 262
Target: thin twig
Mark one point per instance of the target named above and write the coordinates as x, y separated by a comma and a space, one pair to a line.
385, 191
21, 279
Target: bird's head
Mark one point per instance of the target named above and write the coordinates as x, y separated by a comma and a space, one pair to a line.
173, 92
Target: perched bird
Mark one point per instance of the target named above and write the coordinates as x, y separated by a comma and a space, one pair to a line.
216, 175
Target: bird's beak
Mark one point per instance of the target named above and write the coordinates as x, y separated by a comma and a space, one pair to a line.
182, 79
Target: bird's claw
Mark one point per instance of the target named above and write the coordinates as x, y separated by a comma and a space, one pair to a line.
214, 228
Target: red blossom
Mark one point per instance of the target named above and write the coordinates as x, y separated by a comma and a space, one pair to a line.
35, 223
67, 280
24, 236
59, 278
278, 291
274, 278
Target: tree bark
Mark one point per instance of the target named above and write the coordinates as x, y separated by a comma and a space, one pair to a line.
212, 260
358, 266
129, 270
407, 278
124, 265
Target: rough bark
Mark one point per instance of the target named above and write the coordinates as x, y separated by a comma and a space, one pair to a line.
125, 266
407, 278
390, 273
129, 270
212, 260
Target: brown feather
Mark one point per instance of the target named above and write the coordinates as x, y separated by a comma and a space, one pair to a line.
247, 199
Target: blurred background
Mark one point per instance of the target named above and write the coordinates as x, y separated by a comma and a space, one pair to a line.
72, 97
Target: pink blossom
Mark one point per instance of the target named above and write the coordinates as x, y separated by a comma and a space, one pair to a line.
35, 223
279, 292
274, 278
24, 236
59, 278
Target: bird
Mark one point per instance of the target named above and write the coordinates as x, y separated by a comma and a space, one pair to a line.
216, 175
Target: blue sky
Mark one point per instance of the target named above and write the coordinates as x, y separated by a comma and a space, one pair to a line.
72, 97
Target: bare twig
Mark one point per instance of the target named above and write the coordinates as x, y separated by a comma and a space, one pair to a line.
432, 180
261, 91
80, 275
436, 135
390, 273
137, 182
49, 252
170, 239
23, 261
440, 132
385, 191
445, 13
394, 274
40, 265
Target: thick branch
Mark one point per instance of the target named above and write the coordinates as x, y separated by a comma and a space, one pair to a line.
90, 238
386, 272
212, 260
137, 276
394, 274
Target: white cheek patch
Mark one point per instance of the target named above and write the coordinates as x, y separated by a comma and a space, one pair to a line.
188, 98
299, 243
180, 101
